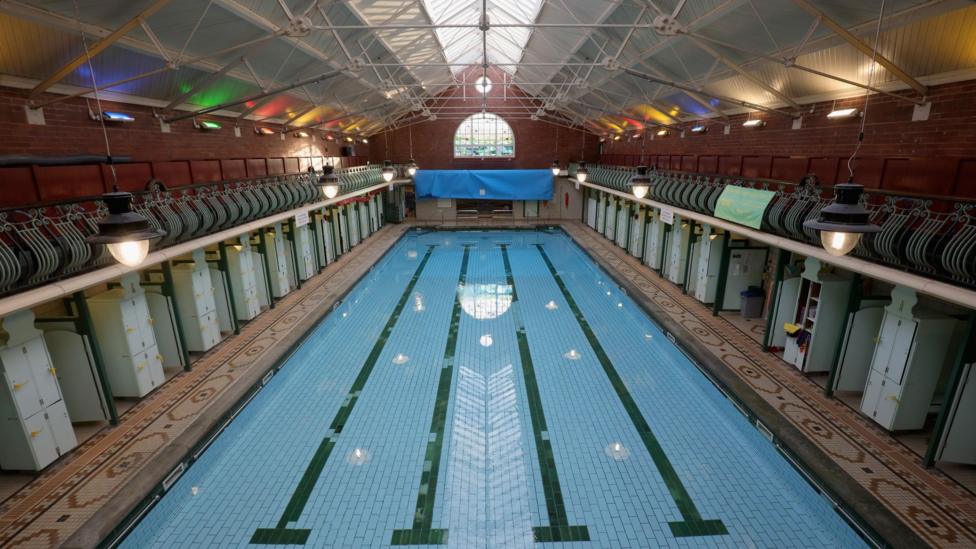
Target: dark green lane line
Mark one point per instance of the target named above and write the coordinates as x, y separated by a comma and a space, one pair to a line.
421, 533
559, 528
693, 524
281, 534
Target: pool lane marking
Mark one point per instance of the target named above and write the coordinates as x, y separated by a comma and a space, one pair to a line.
421, 533
281, 534
559, 528
693, 524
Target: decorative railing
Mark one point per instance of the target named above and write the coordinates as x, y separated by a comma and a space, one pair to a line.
933, 237
40, 243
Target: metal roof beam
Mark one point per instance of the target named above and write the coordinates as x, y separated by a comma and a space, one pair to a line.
742, 72
861, 46
204, 83
706, 94
96, 48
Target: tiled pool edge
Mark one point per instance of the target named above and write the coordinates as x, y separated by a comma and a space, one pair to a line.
137, 494
822, 472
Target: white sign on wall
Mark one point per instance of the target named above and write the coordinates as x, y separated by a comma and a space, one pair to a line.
301, 219
667, 216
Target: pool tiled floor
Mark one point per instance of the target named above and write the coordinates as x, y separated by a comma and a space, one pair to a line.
939, 511
55, 506
483, 407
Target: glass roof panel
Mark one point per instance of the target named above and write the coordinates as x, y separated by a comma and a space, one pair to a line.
462, 46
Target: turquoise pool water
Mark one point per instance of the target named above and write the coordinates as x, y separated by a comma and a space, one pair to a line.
490, 389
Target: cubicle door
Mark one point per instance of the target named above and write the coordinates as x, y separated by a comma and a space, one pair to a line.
601, 213
609, 229
80, 387
591, 212
959, 444
623, 225
344, 230
746, 267
328, 241
164, 325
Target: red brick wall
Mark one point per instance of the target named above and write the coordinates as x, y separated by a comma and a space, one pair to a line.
433, 142
184, 156
934, 157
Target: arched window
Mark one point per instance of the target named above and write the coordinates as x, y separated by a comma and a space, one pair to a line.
484, 135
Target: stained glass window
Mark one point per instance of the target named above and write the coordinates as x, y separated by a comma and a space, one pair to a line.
484, 135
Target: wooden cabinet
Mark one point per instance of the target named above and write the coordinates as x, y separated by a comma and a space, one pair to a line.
276, 255
196, 298
306, 253
34, 425
243, 283
653, 240
352, 217
819, 308
123, 328
907, 363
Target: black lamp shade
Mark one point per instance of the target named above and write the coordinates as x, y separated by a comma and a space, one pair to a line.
845, 214
122, 224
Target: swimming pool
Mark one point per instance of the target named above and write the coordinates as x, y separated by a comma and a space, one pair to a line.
490, 389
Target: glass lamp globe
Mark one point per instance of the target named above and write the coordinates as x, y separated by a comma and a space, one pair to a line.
839, 243
329, 182
581, 172
388, 171
130, 253
640, 183
555, 168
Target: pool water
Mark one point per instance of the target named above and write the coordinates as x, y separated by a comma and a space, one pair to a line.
490, 389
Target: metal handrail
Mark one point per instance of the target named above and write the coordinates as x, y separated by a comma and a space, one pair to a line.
931, 236
44, 242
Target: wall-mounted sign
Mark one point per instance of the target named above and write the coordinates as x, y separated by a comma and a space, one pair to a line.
743, 205
301, 219
667, 216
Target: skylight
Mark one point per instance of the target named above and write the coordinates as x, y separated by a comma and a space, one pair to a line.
462, 46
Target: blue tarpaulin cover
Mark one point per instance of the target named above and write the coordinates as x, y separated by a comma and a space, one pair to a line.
488, 184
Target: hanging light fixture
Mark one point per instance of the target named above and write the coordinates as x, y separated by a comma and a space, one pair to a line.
329, 181
555, 168
388, 171
126, 233
843, 221
581, 172
640, 182
412, 165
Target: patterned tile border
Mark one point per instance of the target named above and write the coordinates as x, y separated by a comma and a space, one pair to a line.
61, 500
939, 511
